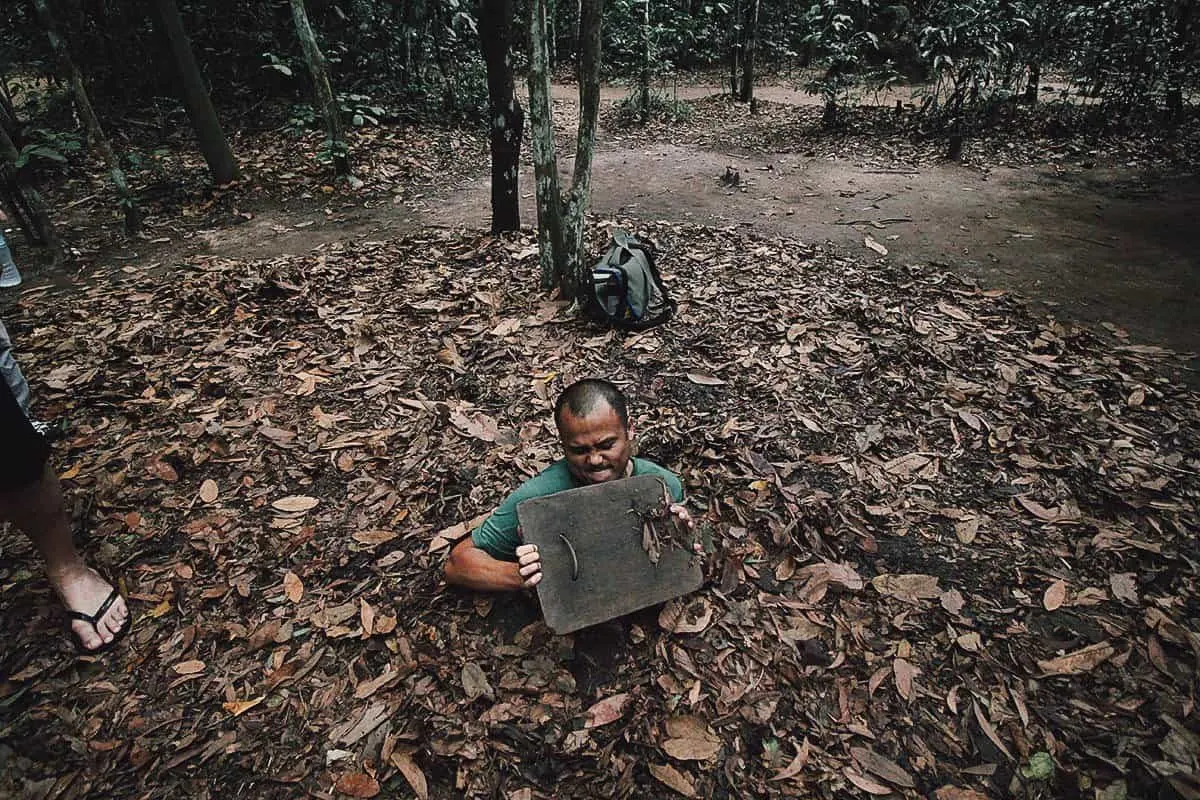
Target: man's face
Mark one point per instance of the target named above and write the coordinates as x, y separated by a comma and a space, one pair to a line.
597, 445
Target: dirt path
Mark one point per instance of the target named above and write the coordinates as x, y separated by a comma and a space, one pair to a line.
1108, 246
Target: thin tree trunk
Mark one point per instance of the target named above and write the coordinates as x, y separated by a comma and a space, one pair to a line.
327, 105
735, 46
507, 118
213, 143
1034, 86
545, 162
560, 220
31, 212
133, 218
749, 43
576, 270
1179, 60
644, 72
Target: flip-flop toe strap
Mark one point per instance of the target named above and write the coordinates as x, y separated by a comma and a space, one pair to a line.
94, 619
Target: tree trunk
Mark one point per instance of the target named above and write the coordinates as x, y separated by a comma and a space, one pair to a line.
213, 143
560, 219
829, 117
27, 204
644, 72
326, 103
749, 43
133, 217
1034, 86
507, 118
735, 46
1180, 52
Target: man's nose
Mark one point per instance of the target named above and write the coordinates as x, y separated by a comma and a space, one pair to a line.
595, 459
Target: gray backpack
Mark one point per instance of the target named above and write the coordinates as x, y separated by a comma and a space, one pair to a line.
627, 290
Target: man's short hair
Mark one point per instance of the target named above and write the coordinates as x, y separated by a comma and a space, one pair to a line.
583, 397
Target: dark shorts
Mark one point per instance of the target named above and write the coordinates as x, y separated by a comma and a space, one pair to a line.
23, 451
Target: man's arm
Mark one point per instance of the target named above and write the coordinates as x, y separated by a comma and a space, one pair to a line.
474, 568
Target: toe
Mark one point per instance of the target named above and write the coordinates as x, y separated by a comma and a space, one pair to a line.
113, 620
87, 635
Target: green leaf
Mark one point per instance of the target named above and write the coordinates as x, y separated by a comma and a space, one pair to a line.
1040, 767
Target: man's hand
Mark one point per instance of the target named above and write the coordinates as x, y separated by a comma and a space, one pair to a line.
530, 563
681, 514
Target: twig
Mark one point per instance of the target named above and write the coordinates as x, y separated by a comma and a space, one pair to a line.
888, 221
80, 201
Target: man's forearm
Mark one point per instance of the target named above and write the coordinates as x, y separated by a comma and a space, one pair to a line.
473, 568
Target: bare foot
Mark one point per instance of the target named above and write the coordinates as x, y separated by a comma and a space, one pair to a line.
82, 589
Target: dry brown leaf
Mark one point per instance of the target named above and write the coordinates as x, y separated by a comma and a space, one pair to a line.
865, 782
1050, 515
690, 739
293, 587
264, 634
907, 588
610, 709
673, 779
952, 600
1124, 586
295, 504
971, 642
357, 784
966, 530
209, 491
188, 667
971, 420
373, 537
448, 536
905, 672
691, 617
163, 471
239, 707
985, 725
475, 682
369, 687
477, 425
1080, 661
704, 380
691, 749
403, 761
817, 578
366, 617
870, 243
907, 464
1055, 595
1091, 596
785, 569
958, 793
882, 767
796, 767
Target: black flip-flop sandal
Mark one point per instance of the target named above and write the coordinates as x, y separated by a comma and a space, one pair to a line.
94, 621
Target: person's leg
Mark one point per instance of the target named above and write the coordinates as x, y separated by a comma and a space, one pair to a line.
31, 499
37, 509
10, 276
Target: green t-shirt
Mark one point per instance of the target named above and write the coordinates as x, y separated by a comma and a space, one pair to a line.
497, 536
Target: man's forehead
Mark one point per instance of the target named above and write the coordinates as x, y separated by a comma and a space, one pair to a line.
601, 418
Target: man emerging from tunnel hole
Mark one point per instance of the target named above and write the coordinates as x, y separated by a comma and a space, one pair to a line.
592, 418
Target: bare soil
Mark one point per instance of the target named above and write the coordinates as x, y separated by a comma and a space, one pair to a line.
1100, 244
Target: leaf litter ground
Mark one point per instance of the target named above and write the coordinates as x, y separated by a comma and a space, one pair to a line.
954, 543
